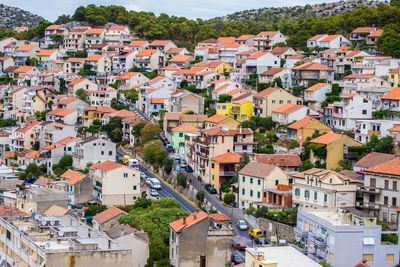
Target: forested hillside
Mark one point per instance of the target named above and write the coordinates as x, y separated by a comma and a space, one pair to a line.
299, 28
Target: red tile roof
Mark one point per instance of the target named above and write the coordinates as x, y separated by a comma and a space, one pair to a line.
316, 87
393, 94
267, 92
61, 112
272, 72
185, 128
376, 33
106, 166
301, 123
229, 157
217, 118
73, 177
260, 170
391, 167
108, 214
127, 75
184, 223
374, 158
327, 138
312, 66
287, 108
280, 160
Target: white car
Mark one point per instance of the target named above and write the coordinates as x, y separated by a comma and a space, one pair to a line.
177, 156
183, 163
242, 225
143, 175
154, 193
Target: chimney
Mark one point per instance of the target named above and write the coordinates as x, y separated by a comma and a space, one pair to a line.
240, 129
177, 216
184, 220
194, 215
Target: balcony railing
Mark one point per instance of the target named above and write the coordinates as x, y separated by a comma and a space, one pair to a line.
370, 190
227, 173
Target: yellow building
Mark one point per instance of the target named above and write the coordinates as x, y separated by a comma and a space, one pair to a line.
221, 120
306, 127
394, 77
217, 66
240, 109
95, 113
223, 168
336, 146
272, 98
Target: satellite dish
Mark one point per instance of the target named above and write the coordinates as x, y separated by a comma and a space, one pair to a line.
36, 217
60, 233
48, 244
52, 223
44, 223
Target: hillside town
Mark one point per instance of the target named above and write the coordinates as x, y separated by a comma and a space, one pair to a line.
244, 151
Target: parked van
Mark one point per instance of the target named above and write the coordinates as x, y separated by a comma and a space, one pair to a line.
154, 183
133, 163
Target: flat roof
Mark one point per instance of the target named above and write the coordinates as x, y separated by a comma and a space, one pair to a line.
285, 256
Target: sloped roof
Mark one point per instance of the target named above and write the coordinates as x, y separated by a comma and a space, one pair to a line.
373, 159
267, 92
185, 128
260, 170
61, 112
287, 108
316, 87
272, 72
301, 123
391, 167
108, 214
312, 66
55, 211
281, 160
217, 118
106, 166
327, 138
229, 157
184, 223
393, 94
73, 176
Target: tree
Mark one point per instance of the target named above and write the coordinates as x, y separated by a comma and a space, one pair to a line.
229, 198
346, 164
149, 132
94, 209
137, 129
63, 165
142, 202
389, 42
224, 98
155, 153
57, 38
132, 95
244, 160
293, 144
168, 165
36, 145
200, 195
114, 129
306, 165
181, 180
383, 145
81, 94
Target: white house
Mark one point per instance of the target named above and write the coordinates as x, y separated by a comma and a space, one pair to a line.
63, 115
148, 59
316, 94
266, 40
129, 80
365, 128
327, 41
259, 62
289, 113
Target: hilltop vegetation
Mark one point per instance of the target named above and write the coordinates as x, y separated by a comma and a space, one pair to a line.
11, 17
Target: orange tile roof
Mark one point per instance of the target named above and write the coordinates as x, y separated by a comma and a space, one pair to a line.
217, 118
67, 100
117, 28
61, 112
27, 127
233, 92
53, 27
76, 81
137, 43
108, 214
180, 58
317, 37
229, 157
312, 66
272, 72
363, 30
287, 108
174, 50
391, 167
146, 53
181, 224
359, 76
348, 95
220, 217
95, 31
373, 159
267, 33
46, 52
94, 57
222, 87
327, 138
257, 54
106, 166
23, 69
393, 94
244, 37
73, 176
267, 92
26, 47
160, 42
226, 40
123, 113
127, 75
376, 33
102, 109
157, 100
301, 123
329, 38
316, 87
185, 128
280, 160
396, 128
67, 140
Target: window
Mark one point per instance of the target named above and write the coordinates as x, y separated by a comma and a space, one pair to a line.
297, 192
251, 180
364, 112
110, 153
394, 185
258, 194
243, 191
276, 182
243, 179
273, 101
394, 201
389, 258
325, 197
315, 195
385, 200
180, 134
259, 181
134, 188
386, 184
125, 174
280, 101
251, 192
102, 153
244, 147
307, 194
212, 167
368, 257
8, 235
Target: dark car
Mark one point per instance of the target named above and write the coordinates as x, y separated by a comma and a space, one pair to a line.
188, 168
210, 189
239, 242
237, 258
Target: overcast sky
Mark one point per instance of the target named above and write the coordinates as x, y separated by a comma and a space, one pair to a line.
51, 9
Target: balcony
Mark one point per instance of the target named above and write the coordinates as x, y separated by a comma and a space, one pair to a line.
370, 190
368, 205
227, 173
371, 132
300, 233
235, 110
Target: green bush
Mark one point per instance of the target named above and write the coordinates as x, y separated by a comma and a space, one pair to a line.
229, 198
181, 180
200, 196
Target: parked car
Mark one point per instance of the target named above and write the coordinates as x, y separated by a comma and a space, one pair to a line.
188, 168
239, 242
256, 233
169, 148
154, 193
242, 225
143, 175
183, 163
177, 156
237, 258
210, 189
